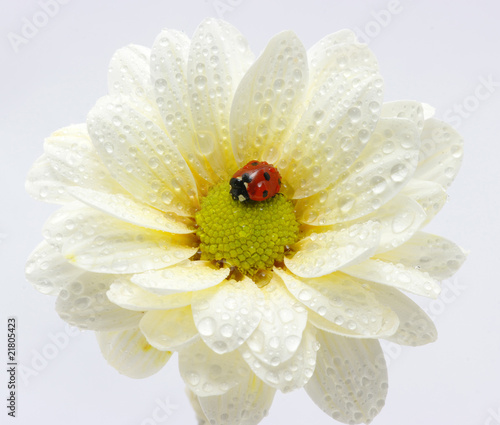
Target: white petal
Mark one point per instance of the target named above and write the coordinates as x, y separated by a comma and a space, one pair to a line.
323, 324
343, 301
218, 59
429, 111
322, 253
319, 53
440, 153
350, 381
73, 157
186, 276
207, 373
130, 354
409, 109
128, 209
399, 220
226, 315
430, 195
341, 111
292, 373
279, 333
169, 329
48, 271
244, 404
100, 243
396, 275
133, 297
195, 404
129, 72
438, 256
44, 184
384, 167
83, 303
169, 58
415, 327
141, 157
267, 100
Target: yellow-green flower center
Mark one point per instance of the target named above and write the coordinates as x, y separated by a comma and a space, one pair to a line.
250, 236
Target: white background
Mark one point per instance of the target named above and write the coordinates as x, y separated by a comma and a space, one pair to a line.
441, 53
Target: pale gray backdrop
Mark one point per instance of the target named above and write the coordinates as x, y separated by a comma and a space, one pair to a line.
53, 69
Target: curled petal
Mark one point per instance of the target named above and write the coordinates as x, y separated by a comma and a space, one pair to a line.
440, 153
379, 173
226, 315
267, 99
141, 156
83, 303
133, 297
396, 275
399, 220
207, 373
338, 117
212, 80
322, 253
100, 243
129, 73
48, 271
343, 301
169, 58
415, 327
436, 255
186, 276
244, 404
130, 354
279, 333
170, 330
292, 373
350, 380
128, 209
46, 185
409, 109
431, 196
74, 159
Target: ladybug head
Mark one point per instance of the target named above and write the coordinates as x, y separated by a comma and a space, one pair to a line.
238, 189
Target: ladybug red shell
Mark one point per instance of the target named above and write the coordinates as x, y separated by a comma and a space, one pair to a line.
256, 181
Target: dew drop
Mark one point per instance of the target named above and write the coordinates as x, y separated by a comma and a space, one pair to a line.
207, 326
378, 184
292, 343
354, 114
227, 331
399, 172
109, 147
200, 82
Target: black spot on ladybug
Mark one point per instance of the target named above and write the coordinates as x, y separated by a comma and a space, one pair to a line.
255, 163
279, 182
267, 176
246, 178
264, 194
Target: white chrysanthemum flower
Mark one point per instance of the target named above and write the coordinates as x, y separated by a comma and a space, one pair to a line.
150, 250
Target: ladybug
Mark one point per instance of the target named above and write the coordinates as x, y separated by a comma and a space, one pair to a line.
256, 181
